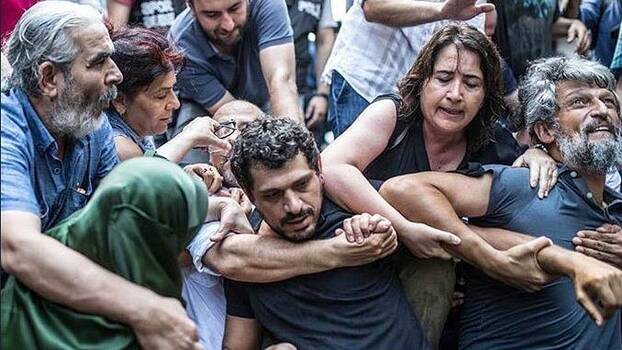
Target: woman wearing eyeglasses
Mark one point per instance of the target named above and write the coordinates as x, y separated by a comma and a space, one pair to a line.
146, 100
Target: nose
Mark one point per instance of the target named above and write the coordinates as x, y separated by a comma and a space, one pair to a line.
227, 23
454, 92
292, 203
600, 111
114, 75
174, 102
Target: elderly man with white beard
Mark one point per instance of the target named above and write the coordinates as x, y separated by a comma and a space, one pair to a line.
56, 147
570, 108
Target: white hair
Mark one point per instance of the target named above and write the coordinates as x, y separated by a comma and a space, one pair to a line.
45, 33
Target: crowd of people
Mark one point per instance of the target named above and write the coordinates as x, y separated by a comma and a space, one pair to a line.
169, 179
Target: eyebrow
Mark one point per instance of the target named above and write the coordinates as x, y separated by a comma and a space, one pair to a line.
294, 183
100, 56
449, 72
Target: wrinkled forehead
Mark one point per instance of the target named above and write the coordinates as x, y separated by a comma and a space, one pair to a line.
93, 39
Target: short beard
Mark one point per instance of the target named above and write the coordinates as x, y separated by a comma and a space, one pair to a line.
594, 158
76, 115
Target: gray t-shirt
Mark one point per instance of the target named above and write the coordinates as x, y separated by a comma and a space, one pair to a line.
496, 316
208, 74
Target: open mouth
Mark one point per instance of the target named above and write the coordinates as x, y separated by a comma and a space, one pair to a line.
298, 223
597, 129
452, 111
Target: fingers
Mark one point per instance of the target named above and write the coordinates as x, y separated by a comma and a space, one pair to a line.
600, 255
608, 228
197, 346
572, 33
589, 306
544, 182
360, 223
378, 224
519, 162
598, 244
606, 298
347, 228
446, 237
440, 254
216, 182
309, 112
607, 237
534, 174
218, 236
538, 244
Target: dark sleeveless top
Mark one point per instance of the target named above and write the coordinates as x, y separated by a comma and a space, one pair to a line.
406, 153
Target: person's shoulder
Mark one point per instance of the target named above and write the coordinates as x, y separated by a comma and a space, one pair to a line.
13, 113
182, 27
506, 171
508, 179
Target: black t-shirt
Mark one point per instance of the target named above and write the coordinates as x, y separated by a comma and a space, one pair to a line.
305, 17
347, 308
406, 153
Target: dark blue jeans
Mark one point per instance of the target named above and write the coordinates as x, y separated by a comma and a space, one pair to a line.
344, 104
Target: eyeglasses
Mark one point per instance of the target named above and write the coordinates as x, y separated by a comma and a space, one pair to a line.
225, 129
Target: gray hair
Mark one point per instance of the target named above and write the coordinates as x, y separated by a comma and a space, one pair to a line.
44, 33
536, 93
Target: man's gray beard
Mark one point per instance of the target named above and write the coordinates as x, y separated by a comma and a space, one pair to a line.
594, 158
72, 115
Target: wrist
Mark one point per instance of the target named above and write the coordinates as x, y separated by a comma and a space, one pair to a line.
541, 147
559, 261
321, 94
333, 259
142, 309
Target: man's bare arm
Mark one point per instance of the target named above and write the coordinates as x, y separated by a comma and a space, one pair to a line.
279, 69
439, 199
51, 269
405, 13
262, 259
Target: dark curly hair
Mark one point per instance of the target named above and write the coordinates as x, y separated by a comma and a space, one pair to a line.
481, 129
270, 143
142, 55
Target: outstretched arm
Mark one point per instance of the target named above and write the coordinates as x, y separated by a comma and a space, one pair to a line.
347, 186
265, 258
439, 199
405, 13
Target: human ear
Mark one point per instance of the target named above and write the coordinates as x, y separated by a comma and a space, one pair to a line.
544, 133
50, 78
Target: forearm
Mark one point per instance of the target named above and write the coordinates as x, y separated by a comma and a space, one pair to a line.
420, 202
500, 239
175, 149
558, 261
118, 13
325, 41
263, 259
51, 269
402, 13
349, 188
284, 97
